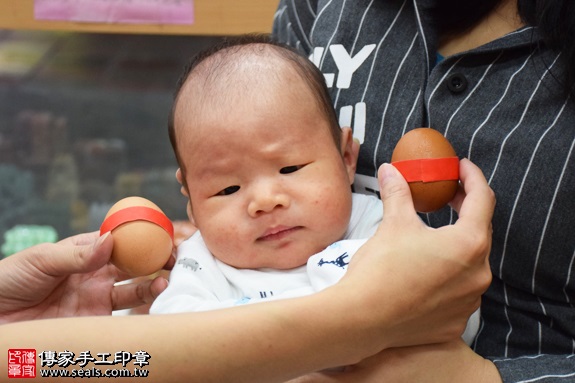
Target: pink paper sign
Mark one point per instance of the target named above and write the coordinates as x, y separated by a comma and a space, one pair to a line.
117, 11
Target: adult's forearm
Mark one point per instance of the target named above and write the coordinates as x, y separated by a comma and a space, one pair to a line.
266, 342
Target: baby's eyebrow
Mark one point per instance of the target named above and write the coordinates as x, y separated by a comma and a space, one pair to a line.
216, 168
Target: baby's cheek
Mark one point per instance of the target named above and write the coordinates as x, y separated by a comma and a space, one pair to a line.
336, 208
220, 232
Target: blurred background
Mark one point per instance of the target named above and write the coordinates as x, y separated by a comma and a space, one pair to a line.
82, 125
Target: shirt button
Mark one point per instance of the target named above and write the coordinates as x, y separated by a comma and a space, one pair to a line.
456, 82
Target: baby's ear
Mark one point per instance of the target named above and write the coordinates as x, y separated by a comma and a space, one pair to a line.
349, 152
185, 193
190, 213
180, 179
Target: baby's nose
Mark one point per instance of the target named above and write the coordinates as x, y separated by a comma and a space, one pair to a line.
266, 199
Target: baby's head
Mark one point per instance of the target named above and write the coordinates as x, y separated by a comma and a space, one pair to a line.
266, 166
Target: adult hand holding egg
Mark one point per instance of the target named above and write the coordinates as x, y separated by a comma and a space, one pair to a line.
70, 278
143, 236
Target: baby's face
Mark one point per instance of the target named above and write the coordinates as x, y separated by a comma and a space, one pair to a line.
267, 184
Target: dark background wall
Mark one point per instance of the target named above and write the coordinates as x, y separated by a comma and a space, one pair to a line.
83, 124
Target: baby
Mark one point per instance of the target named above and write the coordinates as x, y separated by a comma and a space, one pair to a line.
268, 172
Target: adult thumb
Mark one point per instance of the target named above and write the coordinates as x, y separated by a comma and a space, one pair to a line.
395, 193
74, 259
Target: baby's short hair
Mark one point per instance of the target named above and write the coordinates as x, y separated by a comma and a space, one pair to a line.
250, 44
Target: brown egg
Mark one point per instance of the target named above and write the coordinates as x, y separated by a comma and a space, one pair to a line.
430, 165
141, 232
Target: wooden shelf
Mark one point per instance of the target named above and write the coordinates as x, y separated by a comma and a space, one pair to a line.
212, 17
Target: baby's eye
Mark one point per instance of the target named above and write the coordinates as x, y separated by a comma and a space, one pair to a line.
290, 169
229, 190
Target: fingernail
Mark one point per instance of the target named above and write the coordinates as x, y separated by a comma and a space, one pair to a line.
164, 281
356, 140
387, 170
101, 240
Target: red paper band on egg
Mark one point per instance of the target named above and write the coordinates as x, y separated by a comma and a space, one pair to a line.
429, 169
137, 213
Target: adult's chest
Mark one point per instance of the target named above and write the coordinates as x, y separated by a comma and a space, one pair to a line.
509, 116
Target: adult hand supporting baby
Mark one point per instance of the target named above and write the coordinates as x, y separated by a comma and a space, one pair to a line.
433, 278
68, 278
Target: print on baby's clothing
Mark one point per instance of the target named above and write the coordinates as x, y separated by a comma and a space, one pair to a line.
191, 263
339, 261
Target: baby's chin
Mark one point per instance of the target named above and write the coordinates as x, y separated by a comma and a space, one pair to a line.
283, 253
282, 260
270, 265
262, 259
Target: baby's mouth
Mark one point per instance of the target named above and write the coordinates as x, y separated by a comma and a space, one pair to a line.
278, 232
